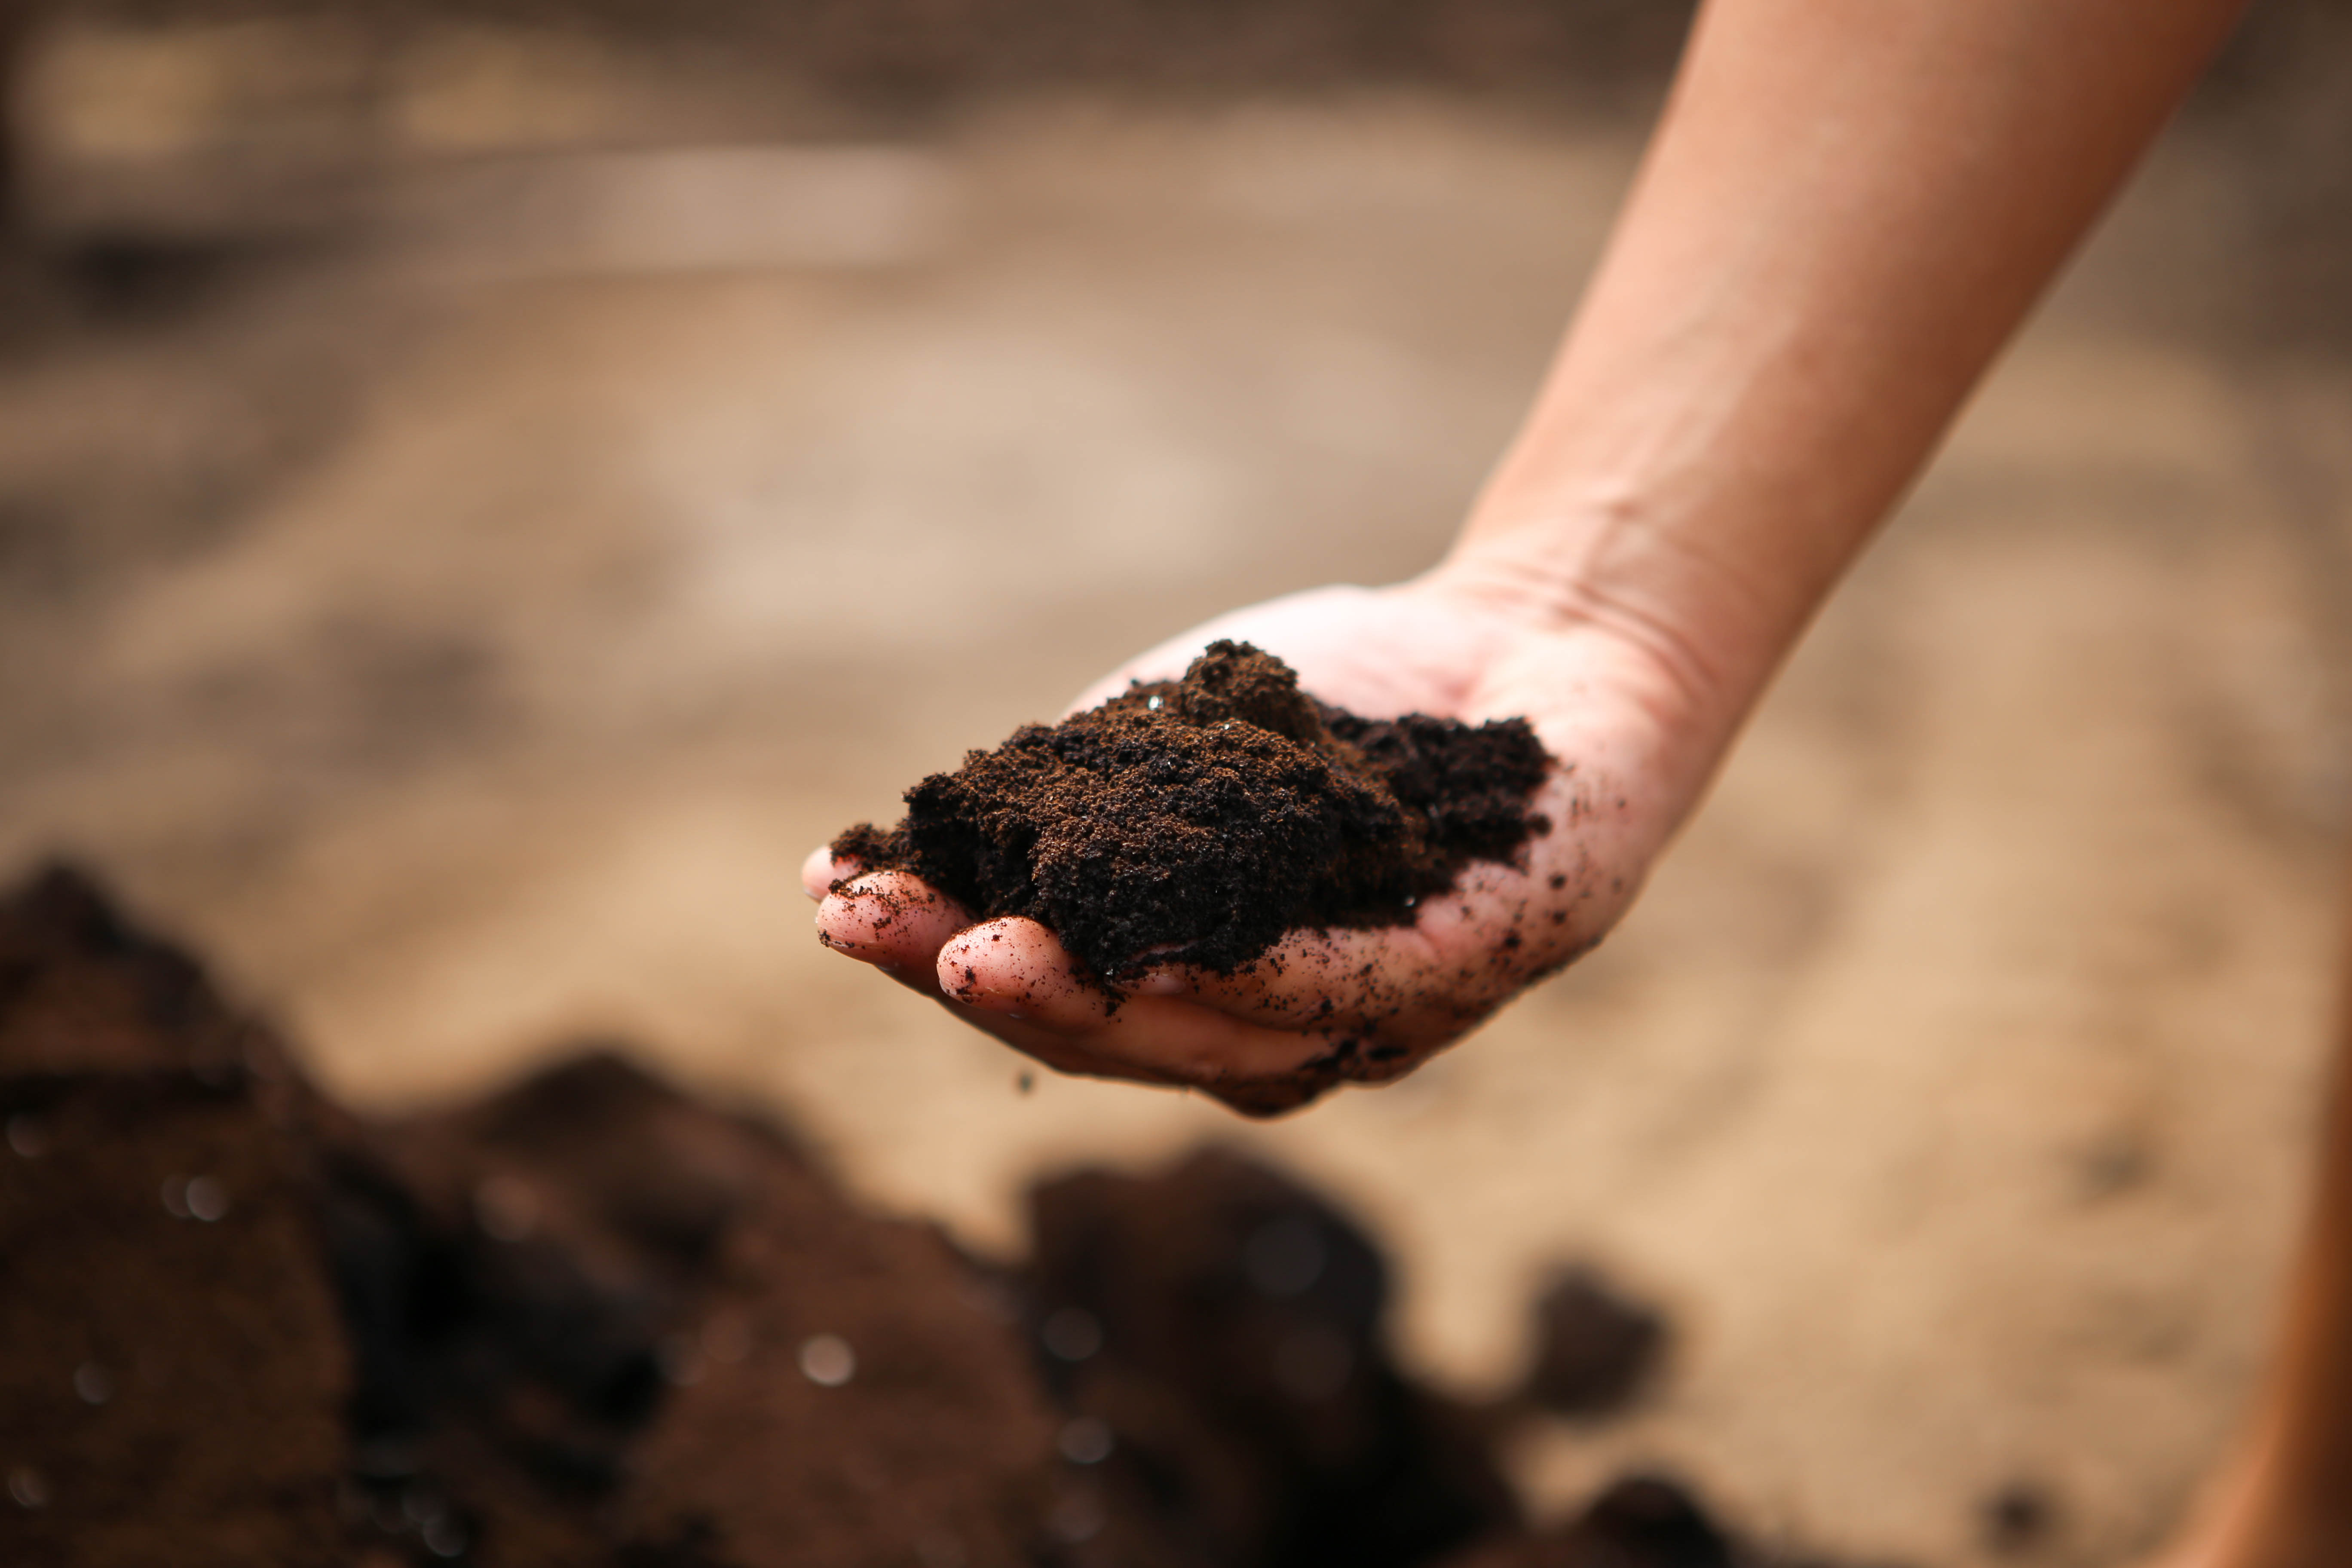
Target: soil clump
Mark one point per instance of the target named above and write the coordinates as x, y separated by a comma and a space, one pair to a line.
1228, 1329
1197, 820
568, 1324
1596, 1348
591, 1322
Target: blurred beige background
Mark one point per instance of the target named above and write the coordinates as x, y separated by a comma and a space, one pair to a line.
475, 508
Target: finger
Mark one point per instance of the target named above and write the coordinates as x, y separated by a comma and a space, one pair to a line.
1466, 952
1032, 996
1345, 978
1014, 978
896, 921
1018, 968
1063, 1052
822, 869
1181, 1042
1015, 972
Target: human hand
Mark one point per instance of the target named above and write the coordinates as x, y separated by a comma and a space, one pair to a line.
1359, 1005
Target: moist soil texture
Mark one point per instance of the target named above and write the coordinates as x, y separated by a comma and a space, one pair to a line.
590, 1321
1197, 820
1595, 1348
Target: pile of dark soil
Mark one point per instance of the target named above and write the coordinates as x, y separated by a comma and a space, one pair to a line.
589, 1321
172, 1359
1199, 819
1233, 1325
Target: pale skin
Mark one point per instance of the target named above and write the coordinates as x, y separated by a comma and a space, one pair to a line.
1847, 210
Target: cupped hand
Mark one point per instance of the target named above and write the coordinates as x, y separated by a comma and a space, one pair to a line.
1327, 1006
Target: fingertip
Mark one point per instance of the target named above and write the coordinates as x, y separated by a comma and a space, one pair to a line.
1018, 968
822, 869
841, 926
887, 918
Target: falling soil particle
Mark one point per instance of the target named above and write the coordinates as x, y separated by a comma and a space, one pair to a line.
1198, 820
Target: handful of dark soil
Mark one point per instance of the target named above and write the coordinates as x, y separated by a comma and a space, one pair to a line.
1198, 820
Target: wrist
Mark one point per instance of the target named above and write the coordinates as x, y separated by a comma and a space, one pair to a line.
1607, 572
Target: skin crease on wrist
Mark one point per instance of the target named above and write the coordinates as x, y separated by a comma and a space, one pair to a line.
1849, 206
1847, 210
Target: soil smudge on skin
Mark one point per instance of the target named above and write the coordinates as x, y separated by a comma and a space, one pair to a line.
1198, 820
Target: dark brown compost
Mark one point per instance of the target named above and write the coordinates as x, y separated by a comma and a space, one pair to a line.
1198, 820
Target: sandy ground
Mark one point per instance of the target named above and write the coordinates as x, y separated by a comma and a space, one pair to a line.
463, 643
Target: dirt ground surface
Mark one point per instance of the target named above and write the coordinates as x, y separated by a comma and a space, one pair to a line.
461, 623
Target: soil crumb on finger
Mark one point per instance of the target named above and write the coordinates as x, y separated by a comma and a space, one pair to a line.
1197, 820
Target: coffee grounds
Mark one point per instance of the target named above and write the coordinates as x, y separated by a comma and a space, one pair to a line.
1198, 820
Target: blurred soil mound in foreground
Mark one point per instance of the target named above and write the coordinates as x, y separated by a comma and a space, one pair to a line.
589, 1320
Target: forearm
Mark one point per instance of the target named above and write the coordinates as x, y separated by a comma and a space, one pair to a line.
1849, 207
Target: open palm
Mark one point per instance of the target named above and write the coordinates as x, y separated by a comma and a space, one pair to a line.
1326, 1007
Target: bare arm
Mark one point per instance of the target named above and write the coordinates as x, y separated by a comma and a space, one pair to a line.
1848, 209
